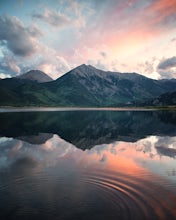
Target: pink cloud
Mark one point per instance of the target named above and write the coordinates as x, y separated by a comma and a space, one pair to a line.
124, 34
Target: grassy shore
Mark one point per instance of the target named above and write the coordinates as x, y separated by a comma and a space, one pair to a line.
162, 107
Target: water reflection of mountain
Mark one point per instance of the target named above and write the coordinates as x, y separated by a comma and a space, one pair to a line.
85, 129
39, 138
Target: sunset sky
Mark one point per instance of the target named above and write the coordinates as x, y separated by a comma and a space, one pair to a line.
118, 35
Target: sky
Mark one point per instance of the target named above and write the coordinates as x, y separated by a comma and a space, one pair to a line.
117, 35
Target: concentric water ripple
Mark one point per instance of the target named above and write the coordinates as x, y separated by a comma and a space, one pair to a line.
85, 194
134, 197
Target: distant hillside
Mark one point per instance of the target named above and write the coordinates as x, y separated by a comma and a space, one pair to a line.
166, 99
84, 86
22, 92
36, 75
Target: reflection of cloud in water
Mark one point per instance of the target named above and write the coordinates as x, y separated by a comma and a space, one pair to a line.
104, 158
143, 152
151, 145
167, 142
147, 145
12, 150
59, 173
58, 145
5, 139
61, 147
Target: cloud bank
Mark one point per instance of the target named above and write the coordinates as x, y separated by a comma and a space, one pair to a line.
20, 40
115, 35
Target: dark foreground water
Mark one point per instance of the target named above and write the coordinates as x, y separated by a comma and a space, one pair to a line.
84, 165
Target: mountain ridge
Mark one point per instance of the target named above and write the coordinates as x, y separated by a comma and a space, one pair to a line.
126, 87
84, 86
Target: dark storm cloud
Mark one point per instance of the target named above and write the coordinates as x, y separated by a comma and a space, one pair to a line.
17, 38
167, 63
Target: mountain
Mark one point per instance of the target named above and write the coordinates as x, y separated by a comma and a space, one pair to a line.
88, 86
39, 138
84, 86
36, 75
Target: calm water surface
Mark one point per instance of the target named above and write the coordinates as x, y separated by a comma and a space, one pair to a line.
84, 165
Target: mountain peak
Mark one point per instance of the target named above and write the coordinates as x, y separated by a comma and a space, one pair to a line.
86, 71
82, 66
85, 66
36, 75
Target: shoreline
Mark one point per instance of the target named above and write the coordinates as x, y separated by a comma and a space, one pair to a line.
42, 109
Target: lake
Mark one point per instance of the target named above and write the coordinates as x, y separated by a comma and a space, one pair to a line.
80, 165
